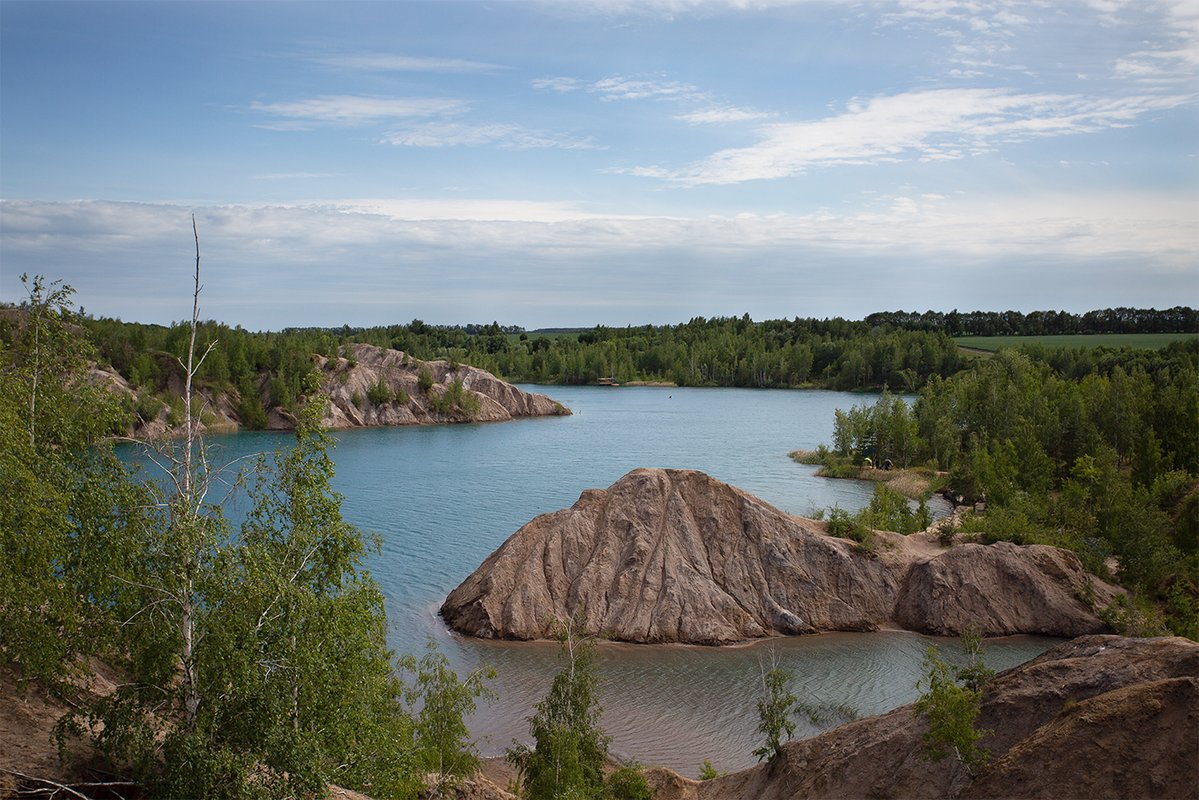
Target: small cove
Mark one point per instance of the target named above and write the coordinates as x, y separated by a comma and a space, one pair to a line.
442, 498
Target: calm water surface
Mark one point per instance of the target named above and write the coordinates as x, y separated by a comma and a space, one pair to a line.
442, 498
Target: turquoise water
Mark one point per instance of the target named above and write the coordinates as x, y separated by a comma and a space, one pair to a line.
442, 498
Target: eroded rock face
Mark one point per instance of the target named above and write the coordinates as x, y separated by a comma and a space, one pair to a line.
1096, 717
678, 556
672, 556
348, 383
1002, 588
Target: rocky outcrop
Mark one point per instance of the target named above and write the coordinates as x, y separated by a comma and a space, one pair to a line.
678, 556
454, 393
1002, 588
1096, 717
366, 386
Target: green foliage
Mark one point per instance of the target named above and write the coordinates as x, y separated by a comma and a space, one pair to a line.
443, 745
424, 379
775, 707
885, 430
951, 711
708, 772
148, 406
290, 681
454, 398
569, 751
1092, 450
67, 507
627, 782
380, 393
847, 526
890, 511
976, 673
1130, 615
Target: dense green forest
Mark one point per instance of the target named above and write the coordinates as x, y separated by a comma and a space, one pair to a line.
1043, 323
1092, 450
896, 350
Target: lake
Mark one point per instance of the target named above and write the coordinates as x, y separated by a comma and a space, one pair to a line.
442, 498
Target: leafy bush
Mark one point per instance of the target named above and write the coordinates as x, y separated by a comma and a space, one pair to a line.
774, 712
951, 711
889, 511
628, 783
148, 406
845, 525
380, 393
424, 379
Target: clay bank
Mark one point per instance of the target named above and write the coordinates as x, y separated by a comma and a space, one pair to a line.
678, 556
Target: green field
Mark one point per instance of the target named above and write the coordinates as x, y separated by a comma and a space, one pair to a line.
1141, 341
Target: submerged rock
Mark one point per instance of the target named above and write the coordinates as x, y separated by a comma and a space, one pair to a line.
678, 556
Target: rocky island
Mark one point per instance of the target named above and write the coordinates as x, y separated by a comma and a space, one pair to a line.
678, 556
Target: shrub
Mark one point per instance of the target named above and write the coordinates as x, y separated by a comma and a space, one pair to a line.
951, 711
380, 393
424, 379
628, 783
148, 406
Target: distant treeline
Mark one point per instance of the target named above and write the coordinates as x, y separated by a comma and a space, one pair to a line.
834, 353
1042, 323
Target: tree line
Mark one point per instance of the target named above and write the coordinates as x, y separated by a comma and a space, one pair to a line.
1178, 319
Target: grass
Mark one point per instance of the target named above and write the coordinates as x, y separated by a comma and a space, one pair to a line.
914, 482
1139, 341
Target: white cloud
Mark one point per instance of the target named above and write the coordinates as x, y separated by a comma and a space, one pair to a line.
504, 135
359, 109
294, 176
382, 62
930, 125
621, 88
559, 84
357, 259
727, 114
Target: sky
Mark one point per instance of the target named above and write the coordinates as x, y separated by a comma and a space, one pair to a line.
552, 163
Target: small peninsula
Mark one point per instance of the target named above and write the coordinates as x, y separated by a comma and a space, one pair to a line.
365, 386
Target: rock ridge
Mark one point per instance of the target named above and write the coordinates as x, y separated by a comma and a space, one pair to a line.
667, 555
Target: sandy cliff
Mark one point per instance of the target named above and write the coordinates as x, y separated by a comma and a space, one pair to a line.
678, 556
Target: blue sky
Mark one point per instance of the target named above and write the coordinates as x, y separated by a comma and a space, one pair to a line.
573, 163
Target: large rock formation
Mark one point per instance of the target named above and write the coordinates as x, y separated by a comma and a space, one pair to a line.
1002, 588
677, 556
366, 386
1096, 717
350, 380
